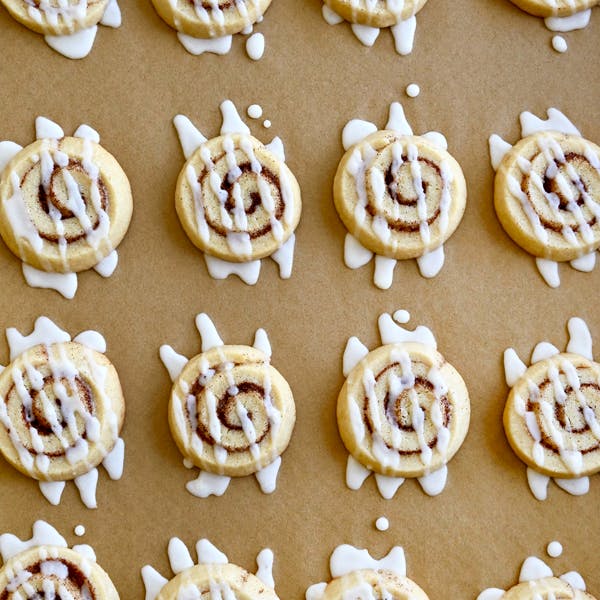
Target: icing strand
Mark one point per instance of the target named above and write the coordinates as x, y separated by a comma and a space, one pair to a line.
346, 559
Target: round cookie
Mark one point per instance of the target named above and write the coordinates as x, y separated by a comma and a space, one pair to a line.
64, 204
53, 571
552, 416
554, 8
400, 196
210, 18
403, 410
376, 13
548, 588
56, 17
547, 195
231, 412
61, 410
227, 580
382, 585
236, 200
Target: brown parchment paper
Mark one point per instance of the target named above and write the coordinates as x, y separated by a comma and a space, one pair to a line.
479, 64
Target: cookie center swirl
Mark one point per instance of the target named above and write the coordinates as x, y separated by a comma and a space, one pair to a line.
49, 578
558, 187
406, 409
52, 411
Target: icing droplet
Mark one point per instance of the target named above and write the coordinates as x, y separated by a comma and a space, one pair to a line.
43, 534
366, 35
413, 90
571, 23
382, 524
388, 486
106, 267
431, 263
554, 549
255, 111
330, 16
209, 554
255, 46
491, 594
574, 579
208, 332
267, 124
392, 333
190, 137
384, 272
262, 343
173, 362
153, 581
79, 530
52, 491
401, 316
179, 556
8, 149
498, 150
538, 484
559, 44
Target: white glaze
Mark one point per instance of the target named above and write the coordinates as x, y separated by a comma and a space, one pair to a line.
356, 474
576, 487
412, 90
355, 351
264, 562
255, 46
404, 35
267, 477
364, 34
355, 254
498, 149
548, 269
388, 486
52, 491
559, 44
533, 568
248, 272
434, 483
262, 342
576, 21
64, 283
383, 276
79, 530
197, 46
574, 579
107, 266
585, 263
8, 150
431, 263
346, 559
208, 484
355, 131
382, 524
554, 549
392, 333
172, 361
317, 590
254, 111
43, 535
330, 16
74, 46
491, 594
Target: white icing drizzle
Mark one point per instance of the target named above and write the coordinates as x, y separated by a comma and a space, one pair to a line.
356, 474
542, 351
172, 361
209, 554
434, 483
556, 121
491, 594
64, 283
255, 46
366, 35
382, 524
267, 476
112, 15
276, 146
197, 46
346, 559
232, 122
355, 254
356, 131
576, 487
208, 484
548, 269
574, 579
153, 582
580, 338
431, 263
554, 549
45, 128
179, 556
262, 343
533, 568
388, 486
190, 137
86, 484
43, 535
355, 351
52, 491
8, 150
114, 461
571, 23
107, 266
397, 120
284, 257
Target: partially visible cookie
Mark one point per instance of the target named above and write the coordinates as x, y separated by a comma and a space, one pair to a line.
400, 196
56, 17
547, 195
554, 8
376, 13
210, 18
548, 588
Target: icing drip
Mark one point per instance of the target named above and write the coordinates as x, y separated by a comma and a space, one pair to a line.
264, 562
346, 558
255, 46
403, 32
43, 535
197, 46
47, 333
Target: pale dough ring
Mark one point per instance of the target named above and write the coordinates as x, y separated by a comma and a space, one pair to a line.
210, 18
556, 403
548, 588
376, 13
403, 410
547, 195
65, 571
383, 585
236, 200
64, 204
231, 412
230, 581
554, 8
400, 196
61, 410
56, 17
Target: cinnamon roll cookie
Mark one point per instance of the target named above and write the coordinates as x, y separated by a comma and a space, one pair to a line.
212, 577
538, 582
61, 410
368, 17
69, 26
356, 574
65, 205
236, 198
547, 193
403, 410
45, 566
208, 25
552, 414
400, 196
231, 413
554, 8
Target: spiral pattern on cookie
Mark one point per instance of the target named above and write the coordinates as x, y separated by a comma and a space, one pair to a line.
61, 410
214, 582
547, 588
57, 17
64, 204
236, 200
54, 572
376, 13
403, 411
547, 195
554, 8
375, 584
210, 18
400, 196
552, 416
231, 412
